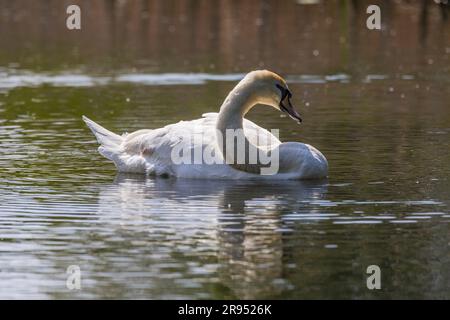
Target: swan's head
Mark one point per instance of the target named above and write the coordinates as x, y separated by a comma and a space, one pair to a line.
271, 89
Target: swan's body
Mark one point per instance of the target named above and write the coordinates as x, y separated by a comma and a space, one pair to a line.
152, 151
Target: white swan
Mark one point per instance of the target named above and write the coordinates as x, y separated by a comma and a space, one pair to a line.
152, 151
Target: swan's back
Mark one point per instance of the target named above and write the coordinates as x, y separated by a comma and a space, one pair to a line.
150, 151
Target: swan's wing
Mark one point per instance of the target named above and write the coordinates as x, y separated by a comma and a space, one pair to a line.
144, 141
159, 142
254, 133
152, 150
147, 141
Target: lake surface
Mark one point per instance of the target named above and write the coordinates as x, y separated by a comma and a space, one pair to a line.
382, 121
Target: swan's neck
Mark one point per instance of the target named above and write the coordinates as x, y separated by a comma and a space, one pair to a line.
230, 131
236, 105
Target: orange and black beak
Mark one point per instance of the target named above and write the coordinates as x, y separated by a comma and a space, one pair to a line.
286, 105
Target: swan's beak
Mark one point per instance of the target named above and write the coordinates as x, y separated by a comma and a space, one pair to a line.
286, 106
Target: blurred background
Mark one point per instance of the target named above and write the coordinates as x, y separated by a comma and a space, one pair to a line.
318, 37
375, 102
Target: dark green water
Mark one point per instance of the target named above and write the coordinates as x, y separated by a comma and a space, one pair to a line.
383, 122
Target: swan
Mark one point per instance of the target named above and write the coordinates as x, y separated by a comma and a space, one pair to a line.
251, 153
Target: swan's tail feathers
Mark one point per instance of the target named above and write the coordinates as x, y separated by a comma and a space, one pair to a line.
109, 141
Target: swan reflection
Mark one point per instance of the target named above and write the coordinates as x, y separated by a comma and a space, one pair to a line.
238, 223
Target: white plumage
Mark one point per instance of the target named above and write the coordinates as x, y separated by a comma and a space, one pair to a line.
151, 151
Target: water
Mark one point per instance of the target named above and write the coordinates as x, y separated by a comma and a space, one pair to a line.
383, 123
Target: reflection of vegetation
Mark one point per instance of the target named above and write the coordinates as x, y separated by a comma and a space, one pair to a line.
222, 36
